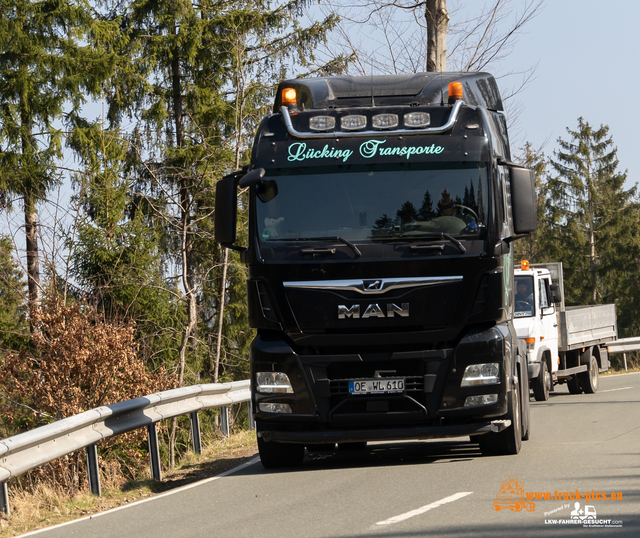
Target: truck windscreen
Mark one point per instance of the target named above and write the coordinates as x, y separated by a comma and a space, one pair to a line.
366, 204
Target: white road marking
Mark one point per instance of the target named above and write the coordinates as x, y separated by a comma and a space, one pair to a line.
613, 390
424, 509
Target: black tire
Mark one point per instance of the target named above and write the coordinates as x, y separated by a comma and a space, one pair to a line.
574, 385
349, 447
589, 380
542, 384
277, 455
508, 441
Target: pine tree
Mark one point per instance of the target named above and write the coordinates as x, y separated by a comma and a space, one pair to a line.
47, 67
595, 219
541, 245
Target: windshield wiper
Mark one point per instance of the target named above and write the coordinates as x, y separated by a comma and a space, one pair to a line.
427, 236
355, 249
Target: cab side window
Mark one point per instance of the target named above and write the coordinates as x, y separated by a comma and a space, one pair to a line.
545, 300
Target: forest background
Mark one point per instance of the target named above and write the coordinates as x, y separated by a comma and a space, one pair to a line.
111, 285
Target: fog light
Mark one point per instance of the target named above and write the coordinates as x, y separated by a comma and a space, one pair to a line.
481, 399
274, 408
273, 383
481, 374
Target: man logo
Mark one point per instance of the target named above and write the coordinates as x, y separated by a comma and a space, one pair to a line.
372, 285
373, 311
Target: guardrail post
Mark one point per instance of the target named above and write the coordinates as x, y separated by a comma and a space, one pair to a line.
195, 432
4, 500
252, 422
154, 452
93, 469
624, 356
224, 421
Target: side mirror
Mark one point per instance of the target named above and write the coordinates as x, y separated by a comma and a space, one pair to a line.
227, 211
556, 294
523, 200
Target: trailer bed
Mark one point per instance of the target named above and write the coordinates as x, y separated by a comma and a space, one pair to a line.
582, 326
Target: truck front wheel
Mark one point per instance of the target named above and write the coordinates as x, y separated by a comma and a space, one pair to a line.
276, 455
542, 384
589, 380
508, 441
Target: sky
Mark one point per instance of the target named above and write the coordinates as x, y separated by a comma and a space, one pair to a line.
587, 53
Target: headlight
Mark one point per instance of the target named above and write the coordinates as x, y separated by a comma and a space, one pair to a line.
481, 374
273, 383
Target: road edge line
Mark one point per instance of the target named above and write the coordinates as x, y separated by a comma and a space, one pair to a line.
252, 461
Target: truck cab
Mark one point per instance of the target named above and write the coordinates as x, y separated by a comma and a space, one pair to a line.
536, 324
382, 212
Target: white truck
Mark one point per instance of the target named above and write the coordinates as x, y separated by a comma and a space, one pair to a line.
564, 345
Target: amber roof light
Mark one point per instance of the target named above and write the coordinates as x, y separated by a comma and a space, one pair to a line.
289, 97
455, 90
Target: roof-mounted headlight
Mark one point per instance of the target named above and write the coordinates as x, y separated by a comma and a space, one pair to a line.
385, 121
415, 120
322, 123
353, 122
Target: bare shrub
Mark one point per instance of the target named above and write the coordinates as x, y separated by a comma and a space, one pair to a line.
78, 362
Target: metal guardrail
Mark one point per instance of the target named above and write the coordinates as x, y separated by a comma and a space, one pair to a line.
624, 345
26, 451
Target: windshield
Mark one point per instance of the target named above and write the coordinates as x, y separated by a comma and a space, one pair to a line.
372, 203
524, 296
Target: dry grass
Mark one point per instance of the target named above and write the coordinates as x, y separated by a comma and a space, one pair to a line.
50, 505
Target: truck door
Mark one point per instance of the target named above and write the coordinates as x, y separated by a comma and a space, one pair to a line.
549, 320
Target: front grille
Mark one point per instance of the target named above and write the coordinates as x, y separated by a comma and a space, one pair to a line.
367, 369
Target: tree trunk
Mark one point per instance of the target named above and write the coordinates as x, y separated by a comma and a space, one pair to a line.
30, 213
186, 243
223, 294
33, 264
437, 18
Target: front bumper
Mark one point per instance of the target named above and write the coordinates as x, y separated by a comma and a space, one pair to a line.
379, 434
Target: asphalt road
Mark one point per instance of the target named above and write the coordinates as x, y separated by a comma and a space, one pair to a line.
588, 443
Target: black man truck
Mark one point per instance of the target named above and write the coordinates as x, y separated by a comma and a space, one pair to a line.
382, 215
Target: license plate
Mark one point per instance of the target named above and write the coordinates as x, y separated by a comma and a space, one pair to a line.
376, 386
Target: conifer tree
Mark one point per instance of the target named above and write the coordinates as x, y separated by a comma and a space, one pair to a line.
47, 67
594, 219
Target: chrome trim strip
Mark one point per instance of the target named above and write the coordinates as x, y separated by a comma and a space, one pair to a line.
379, 132
372, 285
